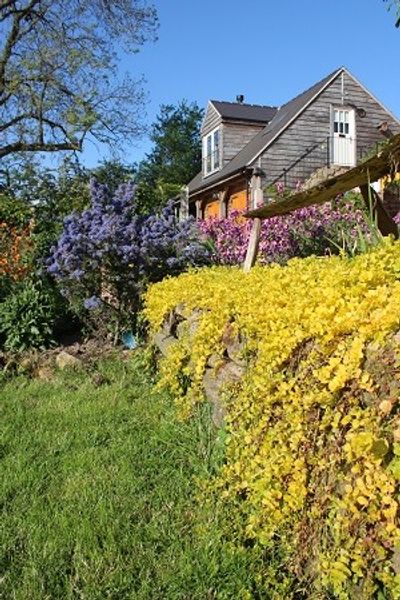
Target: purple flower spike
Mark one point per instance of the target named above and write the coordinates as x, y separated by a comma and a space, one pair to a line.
92, 303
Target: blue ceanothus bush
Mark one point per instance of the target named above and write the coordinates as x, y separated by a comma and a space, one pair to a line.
108, 254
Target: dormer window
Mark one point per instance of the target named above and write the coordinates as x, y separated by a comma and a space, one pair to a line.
211, 152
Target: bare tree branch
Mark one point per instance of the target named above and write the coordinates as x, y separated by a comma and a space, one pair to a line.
17, 17
58, 80
38, 147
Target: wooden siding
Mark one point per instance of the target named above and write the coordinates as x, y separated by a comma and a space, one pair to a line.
212, 119
235, 136
314, 125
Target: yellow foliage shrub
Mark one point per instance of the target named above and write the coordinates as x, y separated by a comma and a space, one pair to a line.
313, 431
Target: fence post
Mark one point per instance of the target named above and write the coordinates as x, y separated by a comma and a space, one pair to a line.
252, 247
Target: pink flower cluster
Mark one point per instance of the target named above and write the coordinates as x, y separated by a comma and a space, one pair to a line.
315, 230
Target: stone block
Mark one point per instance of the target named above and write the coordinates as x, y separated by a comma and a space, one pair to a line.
234, 345
163, 342
213, 382
64, 360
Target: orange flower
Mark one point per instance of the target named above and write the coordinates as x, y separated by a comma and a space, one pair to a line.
14, 247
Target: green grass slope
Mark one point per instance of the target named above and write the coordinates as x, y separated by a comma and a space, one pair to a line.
98, 494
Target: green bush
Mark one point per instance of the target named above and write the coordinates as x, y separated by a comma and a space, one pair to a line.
14, 211
28, 316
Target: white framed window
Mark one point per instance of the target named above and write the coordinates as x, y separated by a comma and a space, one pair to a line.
211, 152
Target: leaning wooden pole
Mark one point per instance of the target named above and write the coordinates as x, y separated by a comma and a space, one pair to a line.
252, 248
385, 223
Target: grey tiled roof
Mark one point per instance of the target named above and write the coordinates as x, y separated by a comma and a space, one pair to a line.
266, 136
245, 112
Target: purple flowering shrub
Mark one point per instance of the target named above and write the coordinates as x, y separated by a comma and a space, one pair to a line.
315, 230
106, 255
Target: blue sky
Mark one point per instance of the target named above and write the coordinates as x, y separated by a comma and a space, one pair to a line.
268, 51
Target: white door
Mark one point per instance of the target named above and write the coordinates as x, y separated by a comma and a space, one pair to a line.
344, 137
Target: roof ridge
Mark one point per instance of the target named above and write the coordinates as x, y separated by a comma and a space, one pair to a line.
244, 104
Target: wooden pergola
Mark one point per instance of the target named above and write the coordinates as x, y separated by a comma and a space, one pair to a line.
385, 162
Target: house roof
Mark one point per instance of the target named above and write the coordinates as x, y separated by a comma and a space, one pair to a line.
244, 112
282, 119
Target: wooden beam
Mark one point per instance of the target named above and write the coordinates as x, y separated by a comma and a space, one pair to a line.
184, 203
371, 170
199, 212
252, 248
222, 204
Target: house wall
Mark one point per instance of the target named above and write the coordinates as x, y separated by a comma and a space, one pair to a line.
212, 119
237, 198
235, 136
314, 125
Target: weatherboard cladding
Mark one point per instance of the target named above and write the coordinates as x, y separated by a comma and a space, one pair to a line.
314, 125
212, 119
253, 149
235, 136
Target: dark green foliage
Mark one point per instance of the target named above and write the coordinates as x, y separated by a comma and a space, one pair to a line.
175, 158
47, 196
113, 173
29, 315
16, 212
32, 311
100, 495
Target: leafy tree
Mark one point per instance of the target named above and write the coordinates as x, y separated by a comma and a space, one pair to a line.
45, 196
113, 173
395, 5
58, 82
176, 156
14, 212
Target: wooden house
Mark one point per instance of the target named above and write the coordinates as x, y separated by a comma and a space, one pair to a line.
248, 148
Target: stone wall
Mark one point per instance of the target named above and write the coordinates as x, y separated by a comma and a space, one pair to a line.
391, 198
223, 370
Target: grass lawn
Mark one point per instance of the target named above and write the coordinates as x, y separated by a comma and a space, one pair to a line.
98, 494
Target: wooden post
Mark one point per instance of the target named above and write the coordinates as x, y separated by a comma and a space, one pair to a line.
184, 203
385, 223
252, 248
198, 210
222, 206
256, 189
